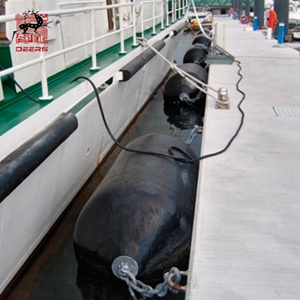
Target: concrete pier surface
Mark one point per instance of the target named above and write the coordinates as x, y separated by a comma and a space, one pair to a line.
246, 238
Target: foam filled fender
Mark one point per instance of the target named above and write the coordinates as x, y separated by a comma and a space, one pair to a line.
176, 84
195, 54
202, 39
143, 208
19, 164
130, 69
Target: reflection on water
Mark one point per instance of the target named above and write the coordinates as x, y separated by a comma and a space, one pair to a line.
184, 116
94, 288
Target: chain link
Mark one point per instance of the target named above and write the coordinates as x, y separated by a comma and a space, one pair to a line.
161, 290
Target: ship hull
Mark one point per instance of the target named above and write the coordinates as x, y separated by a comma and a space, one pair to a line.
32, 208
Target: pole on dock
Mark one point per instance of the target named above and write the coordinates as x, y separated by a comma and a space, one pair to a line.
281, 33
234, 4
259, 7
247, 8
255, 23
281, 8
239, 7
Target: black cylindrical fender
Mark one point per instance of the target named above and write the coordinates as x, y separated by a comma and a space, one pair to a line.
196, 54
22, 162
206, 31
129, 70
143, 209
176, 84
202, 39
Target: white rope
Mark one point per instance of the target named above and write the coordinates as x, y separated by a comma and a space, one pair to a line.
191, 79
200, 25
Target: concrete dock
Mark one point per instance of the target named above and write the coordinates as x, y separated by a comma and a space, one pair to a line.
246, 238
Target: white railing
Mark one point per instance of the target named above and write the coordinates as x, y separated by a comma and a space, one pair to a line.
144, 21
80, 2
178, 9
156, 18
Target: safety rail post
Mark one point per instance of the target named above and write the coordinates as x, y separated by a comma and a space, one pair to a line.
1, 91
134, 42
167, 15
153, 18
94, 52
173, 11
44, 81
122, 51
180, 8
142, 19
162, 16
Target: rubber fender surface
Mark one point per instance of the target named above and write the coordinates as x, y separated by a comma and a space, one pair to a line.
135, 65
206, 31
16, 167
180, 28
203, 46
143, 209
176, 84
201, 39
194, 55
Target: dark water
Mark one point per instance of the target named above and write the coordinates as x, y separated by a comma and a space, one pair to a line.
52, 273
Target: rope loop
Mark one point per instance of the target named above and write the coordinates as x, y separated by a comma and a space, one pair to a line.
194, 133
174, 279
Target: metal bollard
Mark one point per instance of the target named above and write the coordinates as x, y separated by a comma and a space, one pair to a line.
223, 98
281, 33
255, 23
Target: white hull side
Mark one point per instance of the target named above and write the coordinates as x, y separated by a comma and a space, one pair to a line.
32, 208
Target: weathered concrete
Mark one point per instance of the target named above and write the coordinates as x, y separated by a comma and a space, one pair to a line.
246, 239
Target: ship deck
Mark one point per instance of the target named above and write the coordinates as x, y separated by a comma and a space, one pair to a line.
17, 107
246, 242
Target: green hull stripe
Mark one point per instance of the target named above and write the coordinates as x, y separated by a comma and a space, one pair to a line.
15, 108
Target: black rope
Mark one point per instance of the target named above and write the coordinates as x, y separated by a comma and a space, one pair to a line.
116, 141
173, 148
19, 86
240, 125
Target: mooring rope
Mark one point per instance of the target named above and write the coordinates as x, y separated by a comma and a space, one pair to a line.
200, 25
191, 79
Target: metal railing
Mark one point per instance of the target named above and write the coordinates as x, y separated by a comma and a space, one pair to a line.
154, 17
220, 3
158, 16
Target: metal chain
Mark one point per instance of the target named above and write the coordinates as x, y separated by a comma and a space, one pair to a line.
161, 290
